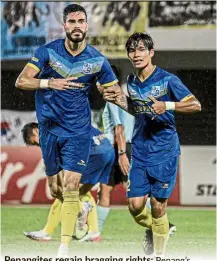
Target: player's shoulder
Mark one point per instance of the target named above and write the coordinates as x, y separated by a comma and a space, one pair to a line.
93, 52
164, 74
54, 44
51, 46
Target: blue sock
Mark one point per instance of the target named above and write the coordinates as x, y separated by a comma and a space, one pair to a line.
148, 203
102, 216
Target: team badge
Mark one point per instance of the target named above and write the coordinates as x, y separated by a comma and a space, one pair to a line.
87, 68
155, 91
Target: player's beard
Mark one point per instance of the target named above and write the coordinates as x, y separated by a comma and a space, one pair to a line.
75, 39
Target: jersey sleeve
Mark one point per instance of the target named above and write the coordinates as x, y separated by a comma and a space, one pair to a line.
106, 75
40, 59
179, 90
115, 114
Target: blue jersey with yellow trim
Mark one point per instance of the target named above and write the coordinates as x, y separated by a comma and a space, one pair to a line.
100, 144
155, 141
67, 113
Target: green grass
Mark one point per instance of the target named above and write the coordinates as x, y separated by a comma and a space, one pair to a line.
195, 236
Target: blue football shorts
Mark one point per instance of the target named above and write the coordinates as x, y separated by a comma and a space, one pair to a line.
156, 181
64, 153
98, 168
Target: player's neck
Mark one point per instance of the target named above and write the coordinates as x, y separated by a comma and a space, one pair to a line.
75, 48
144, 73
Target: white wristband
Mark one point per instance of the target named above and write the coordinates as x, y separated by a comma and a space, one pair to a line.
44, 84
170, 106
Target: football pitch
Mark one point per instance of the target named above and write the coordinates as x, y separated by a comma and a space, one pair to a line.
195, 236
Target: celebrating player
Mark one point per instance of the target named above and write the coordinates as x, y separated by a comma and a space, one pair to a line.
118, 127
66, 68
98, 170
154, 96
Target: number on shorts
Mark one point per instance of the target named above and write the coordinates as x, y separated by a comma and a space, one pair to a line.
128, 185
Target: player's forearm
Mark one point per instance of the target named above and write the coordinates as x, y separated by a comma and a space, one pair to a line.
190, 106
124, 103
27, 83
120, 138
115, 94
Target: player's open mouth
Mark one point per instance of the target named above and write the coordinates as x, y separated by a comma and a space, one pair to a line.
137, 61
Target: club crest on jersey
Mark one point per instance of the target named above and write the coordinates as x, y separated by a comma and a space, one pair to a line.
87, 68
155, 91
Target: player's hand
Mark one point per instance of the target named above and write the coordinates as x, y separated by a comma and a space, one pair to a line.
159, 107
112, 92
124, 164
64, 84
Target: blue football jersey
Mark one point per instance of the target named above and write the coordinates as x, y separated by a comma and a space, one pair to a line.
155, 141
67, 113
100, 144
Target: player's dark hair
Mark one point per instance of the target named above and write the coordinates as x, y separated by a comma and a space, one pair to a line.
72, 9
137, 37
27, 131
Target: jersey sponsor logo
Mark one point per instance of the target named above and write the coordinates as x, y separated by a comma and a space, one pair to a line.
87, 68
143, 109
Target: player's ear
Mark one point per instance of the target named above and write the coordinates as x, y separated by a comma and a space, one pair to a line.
151, 52
64, 26
87, 27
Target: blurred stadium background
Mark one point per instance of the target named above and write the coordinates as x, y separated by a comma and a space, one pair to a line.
185, 43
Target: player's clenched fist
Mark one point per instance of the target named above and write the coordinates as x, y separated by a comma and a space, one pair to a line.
112, 92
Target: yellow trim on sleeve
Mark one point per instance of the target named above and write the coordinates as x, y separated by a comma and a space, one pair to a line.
109, 83
33, 66
187, 98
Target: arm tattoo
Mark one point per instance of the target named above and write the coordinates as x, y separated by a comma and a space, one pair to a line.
122, 101
125, 103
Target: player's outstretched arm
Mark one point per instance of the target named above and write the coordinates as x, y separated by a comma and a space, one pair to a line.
27, 81
191, 105
115, 94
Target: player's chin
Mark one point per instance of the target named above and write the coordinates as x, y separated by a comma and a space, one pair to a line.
77, 39
138, 66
